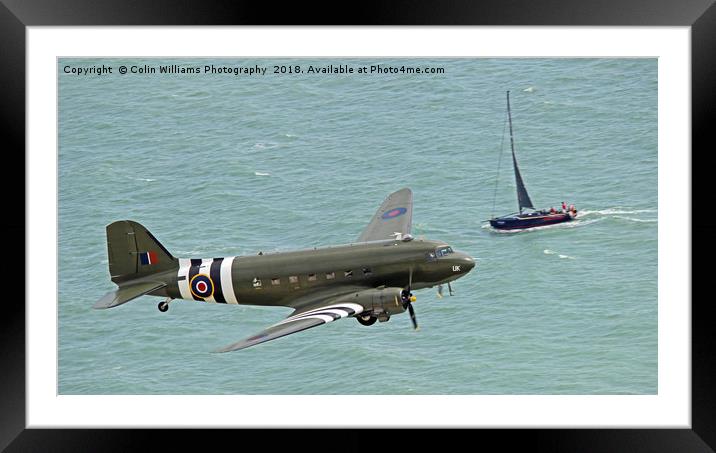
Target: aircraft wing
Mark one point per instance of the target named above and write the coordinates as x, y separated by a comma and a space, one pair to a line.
322, 311
395, 215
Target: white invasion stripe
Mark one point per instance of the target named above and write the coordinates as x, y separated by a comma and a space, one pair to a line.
227, 284
324, 318
184, 265
205, 269
357, 308
340, 313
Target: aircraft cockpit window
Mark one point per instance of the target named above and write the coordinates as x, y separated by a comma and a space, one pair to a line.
442, 251
430, 256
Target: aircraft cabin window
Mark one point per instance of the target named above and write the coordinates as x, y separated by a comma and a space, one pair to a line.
443, 251
311, 277
330, 275
367, 272
293, 279
348, 274
275, 281
256, 282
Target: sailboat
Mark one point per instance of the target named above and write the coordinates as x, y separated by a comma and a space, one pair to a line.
528, 217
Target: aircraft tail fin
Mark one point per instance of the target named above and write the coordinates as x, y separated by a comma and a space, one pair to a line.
135, 253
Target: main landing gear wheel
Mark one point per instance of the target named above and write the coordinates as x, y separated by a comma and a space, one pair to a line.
366, 320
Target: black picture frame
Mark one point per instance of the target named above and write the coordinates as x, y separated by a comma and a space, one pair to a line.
700, 15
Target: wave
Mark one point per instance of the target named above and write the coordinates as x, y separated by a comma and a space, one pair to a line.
552, 252
259, 173
262, 145
140, 179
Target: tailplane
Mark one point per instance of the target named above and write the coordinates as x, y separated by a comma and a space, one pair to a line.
127, 292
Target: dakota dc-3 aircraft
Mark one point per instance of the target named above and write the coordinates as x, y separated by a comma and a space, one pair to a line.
371, 279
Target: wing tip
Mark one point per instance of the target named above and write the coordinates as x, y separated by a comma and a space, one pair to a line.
230, 348
406, 190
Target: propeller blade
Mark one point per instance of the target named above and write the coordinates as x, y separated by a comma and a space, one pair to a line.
440, 291
410, 279
450, 289
412, 316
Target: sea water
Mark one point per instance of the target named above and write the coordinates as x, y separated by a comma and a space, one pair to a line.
221, 164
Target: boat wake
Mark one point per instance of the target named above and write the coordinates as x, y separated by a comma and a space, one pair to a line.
631, 219
622, 214
610, 211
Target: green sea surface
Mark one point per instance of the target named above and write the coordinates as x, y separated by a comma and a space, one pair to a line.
223, 164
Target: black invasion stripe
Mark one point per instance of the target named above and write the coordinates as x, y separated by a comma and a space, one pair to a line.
215, 274
193, 270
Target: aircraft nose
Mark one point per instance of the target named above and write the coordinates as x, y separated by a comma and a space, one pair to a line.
468, 263
463, 262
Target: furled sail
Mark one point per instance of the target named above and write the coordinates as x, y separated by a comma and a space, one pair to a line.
523, 199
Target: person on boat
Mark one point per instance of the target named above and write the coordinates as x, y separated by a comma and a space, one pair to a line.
564, 206
552, 211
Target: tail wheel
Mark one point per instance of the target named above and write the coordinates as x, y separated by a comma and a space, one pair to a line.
163, 306
366, 320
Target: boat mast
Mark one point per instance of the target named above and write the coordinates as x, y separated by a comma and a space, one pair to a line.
512, 146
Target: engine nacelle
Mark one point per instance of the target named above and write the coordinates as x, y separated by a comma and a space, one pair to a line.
378, 300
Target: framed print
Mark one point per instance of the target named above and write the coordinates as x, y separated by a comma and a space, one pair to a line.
238, 141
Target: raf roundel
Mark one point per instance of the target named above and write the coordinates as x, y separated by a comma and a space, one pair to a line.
393, 213
202, 286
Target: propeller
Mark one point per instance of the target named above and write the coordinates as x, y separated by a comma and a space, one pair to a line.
407, 298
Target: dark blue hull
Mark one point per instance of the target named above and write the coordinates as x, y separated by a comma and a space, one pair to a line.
522, 221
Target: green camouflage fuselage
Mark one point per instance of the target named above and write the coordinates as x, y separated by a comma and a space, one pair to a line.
282, 278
